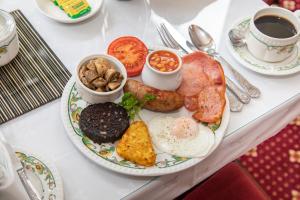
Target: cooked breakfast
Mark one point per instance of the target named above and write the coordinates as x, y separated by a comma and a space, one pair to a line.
203, 87
100, 75
104, 122
164, 61
131, 51
165, 101
201, 91
136, 145
181, 136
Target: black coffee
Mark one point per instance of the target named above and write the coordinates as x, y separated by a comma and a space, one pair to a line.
275, 26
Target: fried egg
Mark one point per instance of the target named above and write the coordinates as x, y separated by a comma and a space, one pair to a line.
181, 136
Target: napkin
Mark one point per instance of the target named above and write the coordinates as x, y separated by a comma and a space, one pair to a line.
11, 187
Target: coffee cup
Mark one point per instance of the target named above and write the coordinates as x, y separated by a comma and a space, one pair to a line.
273, 34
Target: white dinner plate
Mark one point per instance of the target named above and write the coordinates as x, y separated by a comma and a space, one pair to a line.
52, 11
105, 155
43, 175
289, 66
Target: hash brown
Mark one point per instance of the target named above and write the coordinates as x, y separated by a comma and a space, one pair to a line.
136, 145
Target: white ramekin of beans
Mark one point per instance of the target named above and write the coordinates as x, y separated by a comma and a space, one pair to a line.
163, 69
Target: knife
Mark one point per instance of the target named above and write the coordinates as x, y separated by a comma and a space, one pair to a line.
19, 167
185, 45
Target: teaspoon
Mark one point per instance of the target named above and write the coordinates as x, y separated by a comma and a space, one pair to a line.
237, 37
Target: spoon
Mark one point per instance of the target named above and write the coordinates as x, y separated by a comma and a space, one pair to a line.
234, 104
203, 41
239, 95
237, 37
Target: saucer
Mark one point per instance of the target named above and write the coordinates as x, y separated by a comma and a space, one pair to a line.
52, 11
289, 66
43, 175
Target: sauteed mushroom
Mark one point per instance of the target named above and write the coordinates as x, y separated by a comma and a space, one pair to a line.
109, 74
82, 71
99, 82
100, 89
113, 85
86, 83
91, 65
101, 69
100, 75
90, 75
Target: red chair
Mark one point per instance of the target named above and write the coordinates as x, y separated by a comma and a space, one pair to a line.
231, 182
288, 4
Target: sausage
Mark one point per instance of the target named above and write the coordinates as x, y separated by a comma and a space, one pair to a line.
165, 101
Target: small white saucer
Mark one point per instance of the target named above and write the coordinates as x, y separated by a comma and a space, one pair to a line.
289, 66
43, 175
52, 11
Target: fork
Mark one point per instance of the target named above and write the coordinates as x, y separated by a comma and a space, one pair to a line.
233, 92
243, 96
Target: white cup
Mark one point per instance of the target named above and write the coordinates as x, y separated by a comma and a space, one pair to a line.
162, 80
268, 48
9, 42
11, 187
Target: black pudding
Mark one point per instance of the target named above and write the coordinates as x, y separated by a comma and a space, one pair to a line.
104, 122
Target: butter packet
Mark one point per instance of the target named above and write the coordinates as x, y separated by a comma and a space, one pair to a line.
73, 8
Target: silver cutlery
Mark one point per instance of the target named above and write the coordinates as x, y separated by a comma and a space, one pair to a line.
197, 40
181, 43
205, 42
169, 41
241, 95
19, 167
237, 37
234, 104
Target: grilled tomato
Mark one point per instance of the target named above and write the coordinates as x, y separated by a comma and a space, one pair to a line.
131, 51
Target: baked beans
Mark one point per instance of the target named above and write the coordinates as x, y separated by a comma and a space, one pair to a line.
164, 61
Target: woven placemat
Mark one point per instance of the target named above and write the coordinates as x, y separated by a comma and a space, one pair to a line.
35, 77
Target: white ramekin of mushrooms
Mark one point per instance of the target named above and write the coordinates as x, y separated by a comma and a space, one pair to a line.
100, 78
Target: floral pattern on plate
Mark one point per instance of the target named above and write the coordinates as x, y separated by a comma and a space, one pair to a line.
107, 150
105, 154
47, 184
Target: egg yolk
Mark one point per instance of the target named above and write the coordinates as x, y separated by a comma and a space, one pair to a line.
184, 127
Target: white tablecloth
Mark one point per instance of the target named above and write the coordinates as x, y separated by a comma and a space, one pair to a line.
41, 131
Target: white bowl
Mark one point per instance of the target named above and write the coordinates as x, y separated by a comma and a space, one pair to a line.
162, 80
92, 96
